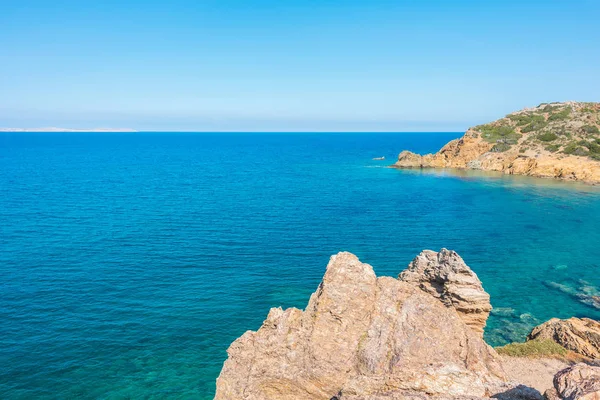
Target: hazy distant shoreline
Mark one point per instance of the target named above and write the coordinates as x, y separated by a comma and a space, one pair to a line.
66, 130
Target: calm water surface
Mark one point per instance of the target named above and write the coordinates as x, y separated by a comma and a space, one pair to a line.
130, 261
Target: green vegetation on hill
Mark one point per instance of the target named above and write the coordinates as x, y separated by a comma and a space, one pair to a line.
590, 129
547, 136
526, 119
534, 126
500, 147
567, 128
499, 134
559, 116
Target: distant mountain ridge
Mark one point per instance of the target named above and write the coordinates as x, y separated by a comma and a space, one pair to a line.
55, 129
552, 140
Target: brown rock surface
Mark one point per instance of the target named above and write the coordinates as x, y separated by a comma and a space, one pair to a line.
408, 159
537, 373
445, 276
581, 335
363, 337
559, 140
580, 381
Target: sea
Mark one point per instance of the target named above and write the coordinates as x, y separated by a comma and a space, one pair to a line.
130, 261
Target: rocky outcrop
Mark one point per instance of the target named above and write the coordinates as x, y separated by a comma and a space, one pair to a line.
445, 276
363, 337
580, 381
559, 140
408, 159
580, 335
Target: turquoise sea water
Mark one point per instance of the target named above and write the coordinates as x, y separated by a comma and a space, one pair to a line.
130, 261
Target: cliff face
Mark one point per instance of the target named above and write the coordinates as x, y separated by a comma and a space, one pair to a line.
445, 276
363, 337
559, 140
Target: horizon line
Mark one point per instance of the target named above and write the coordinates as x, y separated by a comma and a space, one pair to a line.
126, 130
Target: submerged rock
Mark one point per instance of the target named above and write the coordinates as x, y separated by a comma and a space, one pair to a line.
445, 276
363, 337
581, 335
584, 293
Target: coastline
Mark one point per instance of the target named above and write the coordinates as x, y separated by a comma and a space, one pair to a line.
457, 170
558, 140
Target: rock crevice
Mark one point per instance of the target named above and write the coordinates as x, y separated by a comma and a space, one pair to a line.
445, 276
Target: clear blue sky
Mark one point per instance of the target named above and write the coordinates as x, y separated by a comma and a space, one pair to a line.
291, 65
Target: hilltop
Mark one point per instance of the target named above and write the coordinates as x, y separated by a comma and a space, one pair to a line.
552, 140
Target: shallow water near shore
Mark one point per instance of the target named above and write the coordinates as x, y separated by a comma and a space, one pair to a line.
130, 261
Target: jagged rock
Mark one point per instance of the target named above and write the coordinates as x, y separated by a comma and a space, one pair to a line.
408, 159
581, 335
551, 394
361, 337
445, 276
580, 381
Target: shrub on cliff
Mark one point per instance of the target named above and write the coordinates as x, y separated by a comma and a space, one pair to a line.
500, 147
533, 348
576, 149
593, 147
590, 129
526, 119
549, 108
498, 133
547, 137
534, 126
561, 115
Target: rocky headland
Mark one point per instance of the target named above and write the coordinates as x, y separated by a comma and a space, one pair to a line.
556, 140
363, 337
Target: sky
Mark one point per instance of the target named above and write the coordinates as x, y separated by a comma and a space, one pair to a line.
290, 65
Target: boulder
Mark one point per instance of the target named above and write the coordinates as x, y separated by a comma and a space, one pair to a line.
445, 276
408, 159
363, 337
580, 381
580, 335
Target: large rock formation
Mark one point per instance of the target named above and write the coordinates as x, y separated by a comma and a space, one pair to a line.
445, 276
578, 382
363, 337
581, 335
559, 140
